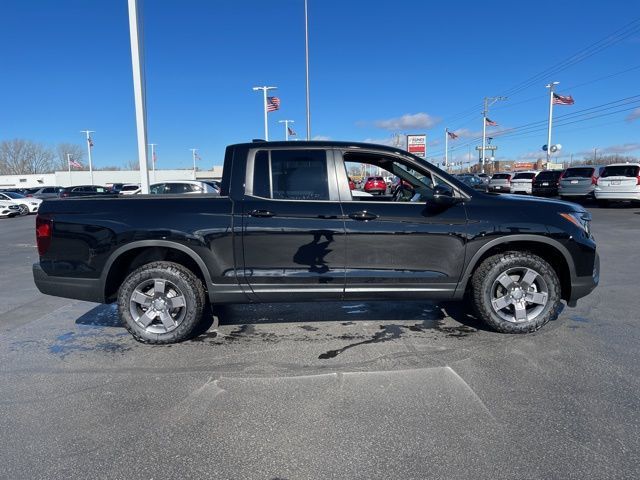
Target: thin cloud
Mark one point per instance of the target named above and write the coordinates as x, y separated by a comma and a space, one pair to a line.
407, 122
321, 138
390, 141
634, 115
611, 149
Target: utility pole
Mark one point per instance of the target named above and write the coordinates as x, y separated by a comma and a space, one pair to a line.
595, 156
306, 61
488, 101
265, 89
194, 154
286, 128
153, 159
551, 87
89, 147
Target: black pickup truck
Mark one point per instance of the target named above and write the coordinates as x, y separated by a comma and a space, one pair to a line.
287, 227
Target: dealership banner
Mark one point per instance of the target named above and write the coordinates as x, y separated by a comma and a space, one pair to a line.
417, 145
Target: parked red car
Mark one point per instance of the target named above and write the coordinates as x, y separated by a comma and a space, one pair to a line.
352, 184
375, 185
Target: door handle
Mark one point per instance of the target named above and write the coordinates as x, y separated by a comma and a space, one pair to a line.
363, 215
261, 213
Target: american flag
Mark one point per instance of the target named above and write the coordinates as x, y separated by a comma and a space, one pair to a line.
452, 135
490, 122
562, 99
273, 104
197, 157
154, 157
90, 142
291, 132
74, 164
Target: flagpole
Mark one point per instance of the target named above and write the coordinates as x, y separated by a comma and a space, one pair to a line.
286, 128
265, 89
69, 165
446, 148
88, 133
550, 86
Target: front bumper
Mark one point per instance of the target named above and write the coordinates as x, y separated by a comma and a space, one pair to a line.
87, 289
583, 286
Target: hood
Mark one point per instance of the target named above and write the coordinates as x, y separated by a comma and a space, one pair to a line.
525, 201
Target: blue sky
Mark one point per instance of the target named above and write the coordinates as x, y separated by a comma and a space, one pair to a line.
376, 68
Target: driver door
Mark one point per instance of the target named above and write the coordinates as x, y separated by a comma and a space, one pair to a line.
401, 245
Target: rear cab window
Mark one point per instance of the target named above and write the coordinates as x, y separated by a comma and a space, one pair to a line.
549, 175
291, 175
501, 176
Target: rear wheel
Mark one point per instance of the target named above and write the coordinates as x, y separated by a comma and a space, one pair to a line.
161, 302
516, 292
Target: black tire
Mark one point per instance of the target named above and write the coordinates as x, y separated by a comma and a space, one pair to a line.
602, 203
24, 210
486, 288
160, 285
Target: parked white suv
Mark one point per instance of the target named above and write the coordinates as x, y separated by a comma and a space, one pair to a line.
618, 181
522, 182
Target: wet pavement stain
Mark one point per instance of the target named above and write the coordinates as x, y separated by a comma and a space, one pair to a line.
578, 318
89, 338
309, 328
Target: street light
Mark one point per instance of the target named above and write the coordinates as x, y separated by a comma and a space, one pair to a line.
488, 101
265, 89
286, 128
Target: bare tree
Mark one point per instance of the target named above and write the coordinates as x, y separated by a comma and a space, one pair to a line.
134, 164
20, 157
76, 152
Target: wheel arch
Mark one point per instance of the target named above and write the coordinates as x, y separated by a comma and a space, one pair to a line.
549, 249
133, 255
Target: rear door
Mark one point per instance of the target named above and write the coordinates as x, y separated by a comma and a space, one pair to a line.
293, 230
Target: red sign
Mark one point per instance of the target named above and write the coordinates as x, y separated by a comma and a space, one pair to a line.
417, 145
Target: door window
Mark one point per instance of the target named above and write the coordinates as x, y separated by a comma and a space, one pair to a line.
402, 182
291, 175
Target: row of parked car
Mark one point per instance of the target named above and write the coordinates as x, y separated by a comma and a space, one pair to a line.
23, 201
615, 182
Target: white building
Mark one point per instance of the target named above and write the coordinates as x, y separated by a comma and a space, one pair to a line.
103, 177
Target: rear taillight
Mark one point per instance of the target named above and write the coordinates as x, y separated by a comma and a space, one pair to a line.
509, 179
44, 229
29, 195
594, 180
561, 176
638, 180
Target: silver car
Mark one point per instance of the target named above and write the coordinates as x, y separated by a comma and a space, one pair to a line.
579, 182
522, 182
500, 182
46, 192
619, 181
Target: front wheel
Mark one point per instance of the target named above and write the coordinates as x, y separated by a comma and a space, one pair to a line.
23, 209
516, 292
161, 302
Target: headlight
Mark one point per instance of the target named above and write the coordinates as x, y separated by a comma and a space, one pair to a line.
581, 220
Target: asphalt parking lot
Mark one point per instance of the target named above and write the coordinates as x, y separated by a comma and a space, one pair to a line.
364, 390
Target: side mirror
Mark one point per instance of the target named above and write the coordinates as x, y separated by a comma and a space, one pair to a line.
443, 195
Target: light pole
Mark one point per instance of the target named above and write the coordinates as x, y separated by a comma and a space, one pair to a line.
89, 147
137, 64
265, 89
306, 61
286, 128
194, 155
153, 159
488, 101
551, 87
